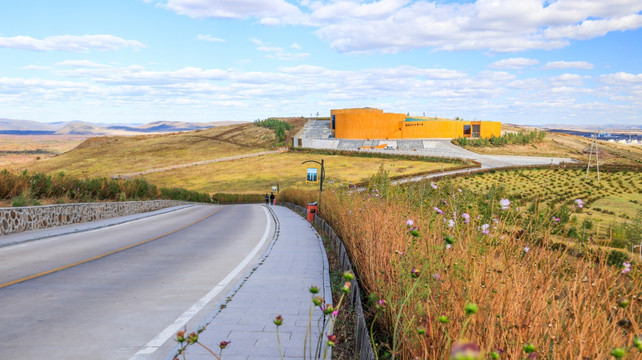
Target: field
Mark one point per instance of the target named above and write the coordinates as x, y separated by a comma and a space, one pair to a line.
20, 149
259, 174
563, 145
610, 205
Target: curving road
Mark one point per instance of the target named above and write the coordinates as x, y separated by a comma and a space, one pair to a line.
122, 291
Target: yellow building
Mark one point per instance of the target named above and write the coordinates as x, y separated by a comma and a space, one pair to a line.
370, 123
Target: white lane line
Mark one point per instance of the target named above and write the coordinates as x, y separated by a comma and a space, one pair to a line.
173, 328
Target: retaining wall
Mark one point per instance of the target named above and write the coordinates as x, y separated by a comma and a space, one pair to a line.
18, 219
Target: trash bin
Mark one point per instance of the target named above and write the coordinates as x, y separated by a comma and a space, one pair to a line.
312, 209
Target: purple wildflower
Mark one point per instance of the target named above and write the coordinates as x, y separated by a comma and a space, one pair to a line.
485, 229
466, 218
434, 186
627, 267
579, 203
451, 223
410, 222
505, 203
438, 210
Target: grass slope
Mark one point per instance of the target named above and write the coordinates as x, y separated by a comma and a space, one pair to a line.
106, 156
259, 174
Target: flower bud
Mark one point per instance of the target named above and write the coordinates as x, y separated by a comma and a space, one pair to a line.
224, 344
348, 276
278, 320
317, 300
618, 353
180, 336
314, 289
192, 338
346, 287
332, 340
470, 308
637, 342
623, 303
414, 273
443, 319
528, 348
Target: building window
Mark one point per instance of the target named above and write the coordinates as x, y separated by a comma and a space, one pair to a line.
333, 122
476, 131
467, 130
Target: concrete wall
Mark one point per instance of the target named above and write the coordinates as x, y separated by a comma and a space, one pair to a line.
18, 219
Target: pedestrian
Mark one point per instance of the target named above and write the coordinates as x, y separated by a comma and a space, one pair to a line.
271, 198
267, 199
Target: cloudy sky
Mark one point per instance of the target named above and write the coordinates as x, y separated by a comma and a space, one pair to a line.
137, 61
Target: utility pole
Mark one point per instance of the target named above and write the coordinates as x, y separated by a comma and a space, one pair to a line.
597, 156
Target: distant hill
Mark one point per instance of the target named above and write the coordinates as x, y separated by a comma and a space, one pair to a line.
27, 127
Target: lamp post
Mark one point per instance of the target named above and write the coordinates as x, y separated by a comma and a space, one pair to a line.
321, 178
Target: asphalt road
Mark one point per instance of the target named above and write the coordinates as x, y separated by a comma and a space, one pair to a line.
121, 292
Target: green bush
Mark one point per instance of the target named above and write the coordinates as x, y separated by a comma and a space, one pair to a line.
520, 138
280, 127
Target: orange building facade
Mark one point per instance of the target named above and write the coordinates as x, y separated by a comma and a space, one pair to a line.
369, 123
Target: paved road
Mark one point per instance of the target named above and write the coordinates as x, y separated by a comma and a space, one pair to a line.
144, 280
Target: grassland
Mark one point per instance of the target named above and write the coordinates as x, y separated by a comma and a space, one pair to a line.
20, 149
563, 145
107, 156
259, 174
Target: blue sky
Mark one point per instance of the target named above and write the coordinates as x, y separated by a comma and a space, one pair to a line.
135, 61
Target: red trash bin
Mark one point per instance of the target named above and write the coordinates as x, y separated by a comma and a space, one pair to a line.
312, 209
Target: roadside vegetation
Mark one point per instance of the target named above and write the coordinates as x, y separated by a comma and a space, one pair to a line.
483, 272
511, 138
24, 189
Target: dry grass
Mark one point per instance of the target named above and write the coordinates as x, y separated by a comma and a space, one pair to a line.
576, 147
106, 156
20, 149
564, 304
259, 174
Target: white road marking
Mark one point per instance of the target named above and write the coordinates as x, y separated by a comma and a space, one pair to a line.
173, 328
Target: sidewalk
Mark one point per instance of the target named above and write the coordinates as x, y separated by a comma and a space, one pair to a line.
278, 286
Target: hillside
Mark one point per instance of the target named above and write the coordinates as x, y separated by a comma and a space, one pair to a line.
105, 156
566, 145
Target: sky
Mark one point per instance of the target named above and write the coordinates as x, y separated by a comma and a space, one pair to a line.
529, 62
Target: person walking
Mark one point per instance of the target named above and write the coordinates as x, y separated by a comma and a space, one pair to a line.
267, 199
271, 198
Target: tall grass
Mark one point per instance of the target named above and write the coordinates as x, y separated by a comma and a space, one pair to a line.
71, 189
528, 290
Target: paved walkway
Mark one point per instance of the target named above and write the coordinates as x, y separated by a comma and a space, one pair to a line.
278, 286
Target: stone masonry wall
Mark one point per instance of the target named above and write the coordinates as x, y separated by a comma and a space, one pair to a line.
18, 219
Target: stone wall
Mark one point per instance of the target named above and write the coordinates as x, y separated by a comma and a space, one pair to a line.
18, 219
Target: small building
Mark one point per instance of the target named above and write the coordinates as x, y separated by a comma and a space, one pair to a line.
370, 123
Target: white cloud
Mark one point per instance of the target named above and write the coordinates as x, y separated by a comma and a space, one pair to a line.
568, 65
275, 52
237, 9
513, 63
389, 26
69, 43
208, 37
